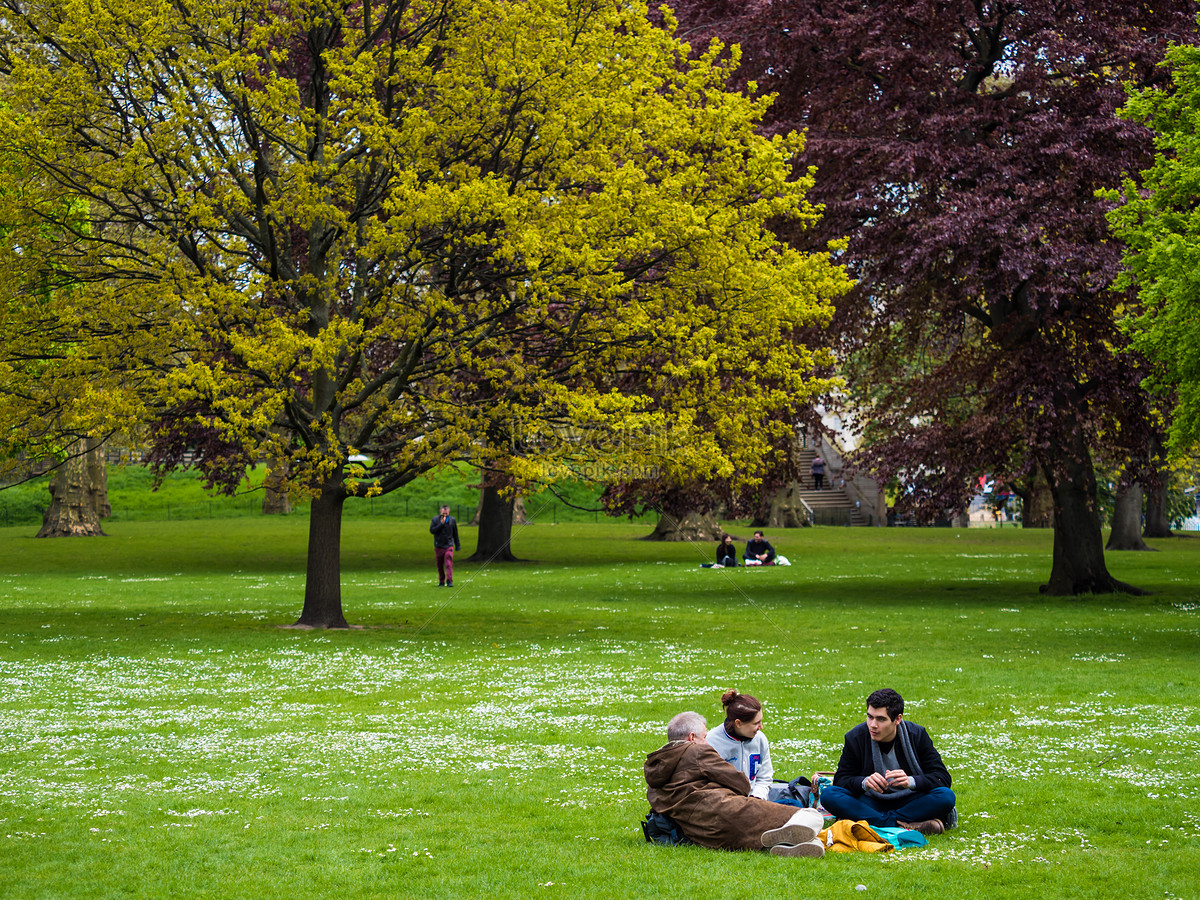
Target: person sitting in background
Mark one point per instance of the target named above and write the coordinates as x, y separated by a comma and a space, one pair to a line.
687, 780
757, 548
726, 551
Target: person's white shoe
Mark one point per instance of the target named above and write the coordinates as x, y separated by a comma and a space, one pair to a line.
813, 849
799, 829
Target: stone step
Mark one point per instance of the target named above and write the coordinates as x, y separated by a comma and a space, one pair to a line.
830, 503
834, 503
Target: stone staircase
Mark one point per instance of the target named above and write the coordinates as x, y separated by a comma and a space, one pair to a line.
832, 505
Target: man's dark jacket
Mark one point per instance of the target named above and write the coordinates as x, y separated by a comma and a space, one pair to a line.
755, 546
445, 534
857, 762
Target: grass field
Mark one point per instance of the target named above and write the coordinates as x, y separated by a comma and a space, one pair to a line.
163, 734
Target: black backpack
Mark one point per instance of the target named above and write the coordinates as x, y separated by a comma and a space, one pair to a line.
660, 829
797, 792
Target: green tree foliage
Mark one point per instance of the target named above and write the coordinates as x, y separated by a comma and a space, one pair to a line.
1159, 222
321, 231
50, 395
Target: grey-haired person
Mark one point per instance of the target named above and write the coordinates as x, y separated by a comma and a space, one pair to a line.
688, 781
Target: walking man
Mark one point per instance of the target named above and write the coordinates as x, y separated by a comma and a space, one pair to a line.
445, 541
817, 469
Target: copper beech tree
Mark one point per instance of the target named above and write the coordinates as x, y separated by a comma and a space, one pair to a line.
323, 232
960, 147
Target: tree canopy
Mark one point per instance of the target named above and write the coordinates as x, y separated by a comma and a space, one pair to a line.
960, 147
51, 393
319, 232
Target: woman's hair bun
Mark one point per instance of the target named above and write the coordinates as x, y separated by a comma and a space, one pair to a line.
740, 706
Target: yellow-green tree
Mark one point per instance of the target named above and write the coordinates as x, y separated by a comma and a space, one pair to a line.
325, 229
53, 401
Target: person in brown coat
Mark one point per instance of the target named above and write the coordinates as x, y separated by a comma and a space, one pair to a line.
688, 781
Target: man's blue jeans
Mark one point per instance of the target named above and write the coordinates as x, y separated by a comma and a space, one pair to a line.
876, 809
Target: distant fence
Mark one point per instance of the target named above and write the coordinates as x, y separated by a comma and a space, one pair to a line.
541, 509
147, 510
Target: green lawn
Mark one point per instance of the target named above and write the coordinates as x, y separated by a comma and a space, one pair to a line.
162, 734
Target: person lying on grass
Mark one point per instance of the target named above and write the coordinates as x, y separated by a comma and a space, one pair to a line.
710, 800
890, 774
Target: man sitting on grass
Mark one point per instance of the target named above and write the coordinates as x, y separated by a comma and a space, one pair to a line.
710, 799
890, 774
759, 551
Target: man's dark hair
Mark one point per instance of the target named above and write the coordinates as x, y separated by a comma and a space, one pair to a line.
886, 698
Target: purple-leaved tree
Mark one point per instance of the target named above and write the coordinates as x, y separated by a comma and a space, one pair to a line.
959, 146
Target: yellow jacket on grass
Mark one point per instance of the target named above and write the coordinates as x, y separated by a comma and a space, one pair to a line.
846, 836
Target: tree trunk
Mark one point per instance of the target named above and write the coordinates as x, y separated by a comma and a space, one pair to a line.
693, 526
1037, 503
72, 512
276, 501
519, 516
1127, 521
323, 582
1158, 525
495, 527
1078, 566
785, 509
98, 480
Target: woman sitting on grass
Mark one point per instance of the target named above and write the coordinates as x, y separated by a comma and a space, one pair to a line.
741, 742
726, 551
